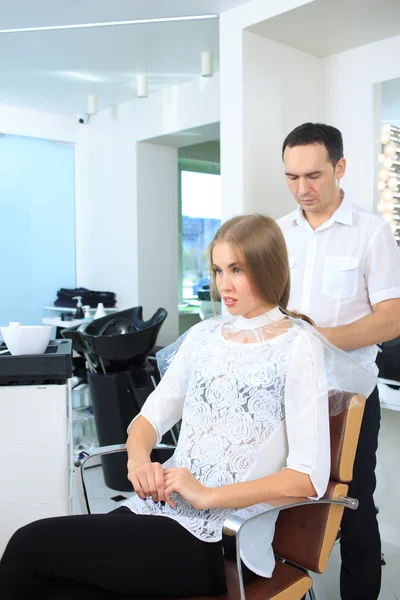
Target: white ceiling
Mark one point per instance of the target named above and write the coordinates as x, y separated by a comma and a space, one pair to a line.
189, 137
325, 27
56, 70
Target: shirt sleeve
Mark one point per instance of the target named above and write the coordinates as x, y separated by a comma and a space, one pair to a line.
307, 411
164, 406
383, 266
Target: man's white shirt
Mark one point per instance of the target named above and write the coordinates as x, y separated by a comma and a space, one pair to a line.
338, 271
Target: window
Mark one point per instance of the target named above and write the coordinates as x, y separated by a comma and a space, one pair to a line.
200, 217
37, 242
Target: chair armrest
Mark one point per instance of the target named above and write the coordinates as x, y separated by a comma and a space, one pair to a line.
83, 457
234, 524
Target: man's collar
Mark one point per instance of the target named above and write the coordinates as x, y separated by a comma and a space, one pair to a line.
343, 214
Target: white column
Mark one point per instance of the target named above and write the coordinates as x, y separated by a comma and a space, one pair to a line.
267, 89
157, 237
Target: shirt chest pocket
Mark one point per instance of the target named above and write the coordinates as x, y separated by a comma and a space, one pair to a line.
340, 276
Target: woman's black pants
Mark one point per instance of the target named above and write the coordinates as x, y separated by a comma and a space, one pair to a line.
101, 557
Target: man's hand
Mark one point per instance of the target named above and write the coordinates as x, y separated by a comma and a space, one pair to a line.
182, 482
382, 325
147, 480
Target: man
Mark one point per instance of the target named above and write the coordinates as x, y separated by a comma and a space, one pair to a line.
345, 275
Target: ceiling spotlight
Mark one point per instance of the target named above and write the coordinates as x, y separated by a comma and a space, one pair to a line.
207, 64
91, 105
142, 86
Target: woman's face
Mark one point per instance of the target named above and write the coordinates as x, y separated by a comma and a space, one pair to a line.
233, 284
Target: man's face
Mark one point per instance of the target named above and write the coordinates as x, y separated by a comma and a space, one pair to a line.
311, 177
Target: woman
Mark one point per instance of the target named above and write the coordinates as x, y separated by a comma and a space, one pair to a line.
251, 389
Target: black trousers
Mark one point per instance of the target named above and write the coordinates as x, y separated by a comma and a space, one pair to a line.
360, 576
101, 557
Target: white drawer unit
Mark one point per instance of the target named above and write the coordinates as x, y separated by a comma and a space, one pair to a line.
34, 455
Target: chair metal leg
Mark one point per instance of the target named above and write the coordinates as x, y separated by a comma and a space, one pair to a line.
311, 594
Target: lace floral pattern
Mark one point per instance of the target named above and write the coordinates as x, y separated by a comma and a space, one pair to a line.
233, 404
254, 396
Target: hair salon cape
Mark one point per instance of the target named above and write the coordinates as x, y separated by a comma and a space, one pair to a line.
254, 397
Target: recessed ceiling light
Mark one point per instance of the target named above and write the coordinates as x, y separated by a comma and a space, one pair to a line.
110, 23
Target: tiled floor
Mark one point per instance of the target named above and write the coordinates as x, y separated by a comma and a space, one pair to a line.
326, 586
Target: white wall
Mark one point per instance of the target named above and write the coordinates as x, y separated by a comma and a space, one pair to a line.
33, 123
236, 50
112, 208
268, 88
349, 90
106, 233
281, 90
157, 236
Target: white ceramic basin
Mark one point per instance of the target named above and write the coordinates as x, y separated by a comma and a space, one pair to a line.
21, 339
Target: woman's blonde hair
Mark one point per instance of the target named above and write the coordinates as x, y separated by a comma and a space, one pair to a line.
260, 244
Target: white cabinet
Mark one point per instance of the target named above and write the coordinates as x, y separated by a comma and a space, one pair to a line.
34, 455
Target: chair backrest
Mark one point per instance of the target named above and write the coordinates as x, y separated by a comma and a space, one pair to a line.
305, 535
132, 347
130, 315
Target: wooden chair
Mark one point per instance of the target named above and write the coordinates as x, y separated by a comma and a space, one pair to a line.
305, 530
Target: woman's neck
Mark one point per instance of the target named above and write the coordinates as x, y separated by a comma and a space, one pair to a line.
257, 312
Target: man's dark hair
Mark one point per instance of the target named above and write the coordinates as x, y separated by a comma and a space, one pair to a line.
317, 133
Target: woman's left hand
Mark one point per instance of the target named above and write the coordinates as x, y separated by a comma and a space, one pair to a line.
182, 482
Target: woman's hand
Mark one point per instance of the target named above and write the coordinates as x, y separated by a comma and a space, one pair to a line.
182, 482
147, 480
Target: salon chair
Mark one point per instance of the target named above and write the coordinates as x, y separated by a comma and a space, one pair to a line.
305, 529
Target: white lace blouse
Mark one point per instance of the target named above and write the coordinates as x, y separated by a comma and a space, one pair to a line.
252, 396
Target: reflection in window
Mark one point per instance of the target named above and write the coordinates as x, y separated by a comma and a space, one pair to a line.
201, 217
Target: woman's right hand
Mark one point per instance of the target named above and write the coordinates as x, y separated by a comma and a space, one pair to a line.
148, 480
